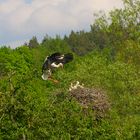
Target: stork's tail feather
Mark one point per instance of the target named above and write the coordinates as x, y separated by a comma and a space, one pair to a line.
44, 76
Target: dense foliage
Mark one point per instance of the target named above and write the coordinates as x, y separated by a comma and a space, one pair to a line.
33, 109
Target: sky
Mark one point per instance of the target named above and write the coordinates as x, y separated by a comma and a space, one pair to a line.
20, 20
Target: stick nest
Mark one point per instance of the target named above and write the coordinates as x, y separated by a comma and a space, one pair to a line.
92, 98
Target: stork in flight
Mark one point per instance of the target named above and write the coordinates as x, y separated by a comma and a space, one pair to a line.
54, 61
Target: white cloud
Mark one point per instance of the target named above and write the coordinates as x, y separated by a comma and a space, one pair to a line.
19, 19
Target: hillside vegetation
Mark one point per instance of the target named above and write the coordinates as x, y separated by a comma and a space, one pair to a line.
106, 59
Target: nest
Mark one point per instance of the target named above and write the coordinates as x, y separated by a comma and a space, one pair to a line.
91, 98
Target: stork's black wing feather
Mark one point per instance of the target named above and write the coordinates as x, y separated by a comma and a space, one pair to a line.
57, 58
67, 58
55, 55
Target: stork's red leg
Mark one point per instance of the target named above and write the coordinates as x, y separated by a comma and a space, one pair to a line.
53, 80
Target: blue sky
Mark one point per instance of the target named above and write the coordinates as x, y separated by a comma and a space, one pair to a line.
22, 19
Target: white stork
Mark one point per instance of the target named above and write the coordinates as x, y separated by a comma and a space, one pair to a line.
53, 61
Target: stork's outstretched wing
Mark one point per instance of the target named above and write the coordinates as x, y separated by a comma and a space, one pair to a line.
64, 58
67, 58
